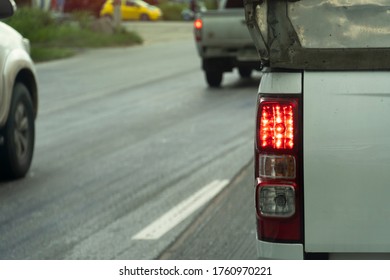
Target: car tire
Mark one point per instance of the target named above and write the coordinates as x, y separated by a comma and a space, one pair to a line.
214, 78
245, 72
19, 135
144, 17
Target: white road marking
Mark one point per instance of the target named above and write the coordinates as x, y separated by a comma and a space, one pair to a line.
179, 213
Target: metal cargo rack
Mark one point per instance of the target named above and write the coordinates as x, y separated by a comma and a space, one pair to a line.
321, 34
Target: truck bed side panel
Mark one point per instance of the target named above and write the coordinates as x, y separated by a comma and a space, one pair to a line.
347, 161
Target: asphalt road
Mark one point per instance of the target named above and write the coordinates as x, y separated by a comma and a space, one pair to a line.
132, 150
225, 230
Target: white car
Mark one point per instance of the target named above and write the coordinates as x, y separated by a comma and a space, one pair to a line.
18, 99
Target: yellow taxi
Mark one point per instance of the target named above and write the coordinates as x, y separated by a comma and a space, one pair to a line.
132, 10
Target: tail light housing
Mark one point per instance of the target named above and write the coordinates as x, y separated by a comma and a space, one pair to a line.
278, 169
198, 25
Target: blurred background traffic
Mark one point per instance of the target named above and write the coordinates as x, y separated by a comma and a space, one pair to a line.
60, 28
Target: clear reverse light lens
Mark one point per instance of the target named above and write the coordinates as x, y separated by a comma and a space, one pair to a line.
277, 167
277, 201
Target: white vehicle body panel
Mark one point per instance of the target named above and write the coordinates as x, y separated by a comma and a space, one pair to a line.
347, 161
271, 250
280, 82
14, 57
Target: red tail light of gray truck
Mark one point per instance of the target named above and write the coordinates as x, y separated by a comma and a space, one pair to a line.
198, 25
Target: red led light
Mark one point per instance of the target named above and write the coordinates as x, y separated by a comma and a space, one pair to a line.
198, 24
276, 125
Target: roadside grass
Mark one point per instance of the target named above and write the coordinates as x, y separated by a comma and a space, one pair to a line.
172, 10
52, 38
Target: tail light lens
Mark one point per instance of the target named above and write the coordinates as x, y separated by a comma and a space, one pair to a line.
198, 25
277, 201
277, 166
276, 125
278, 169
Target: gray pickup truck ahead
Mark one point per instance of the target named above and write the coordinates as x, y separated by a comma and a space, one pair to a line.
224, 43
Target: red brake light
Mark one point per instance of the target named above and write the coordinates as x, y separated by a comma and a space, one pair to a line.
198, 24
276, 125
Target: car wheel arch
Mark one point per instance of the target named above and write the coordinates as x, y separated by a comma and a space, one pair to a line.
18, 67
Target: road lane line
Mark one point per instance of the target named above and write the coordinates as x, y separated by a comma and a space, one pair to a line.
180, 212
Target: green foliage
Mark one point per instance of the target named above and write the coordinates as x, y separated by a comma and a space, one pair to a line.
84, 18
29, 21
41, 53
52, 38
172, 11
211, 4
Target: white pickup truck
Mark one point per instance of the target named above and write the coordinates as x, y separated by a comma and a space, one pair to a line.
322, 147
224, 43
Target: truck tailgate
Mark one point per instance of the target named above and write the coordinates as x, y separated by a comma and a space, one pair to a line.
346, 161
225, 28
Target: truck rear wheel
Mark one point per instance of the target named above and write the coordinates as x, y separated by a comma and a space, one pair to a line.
214, 78
19, 134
